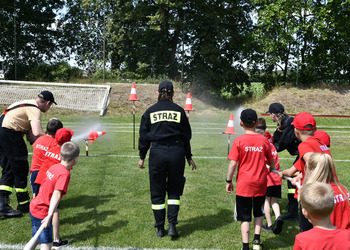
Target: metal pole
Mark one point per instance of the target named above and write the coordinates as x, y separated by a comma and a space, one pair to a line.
87, 147
133, 113
228, 145
15, 39
104, 44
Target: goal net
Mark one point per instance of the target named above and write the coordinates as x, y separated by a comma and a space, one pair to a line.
84, 97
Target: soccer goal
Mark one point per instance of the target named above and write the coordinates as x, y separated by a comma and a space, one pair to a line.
84, 97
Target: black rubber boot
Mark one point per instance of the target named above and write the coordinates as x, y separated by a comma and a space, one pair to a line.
160, 231
6, 210
172, 230
292, 213
23, 202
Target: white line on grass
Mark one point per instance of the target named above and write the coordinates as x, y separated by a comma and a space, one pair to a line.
20, 246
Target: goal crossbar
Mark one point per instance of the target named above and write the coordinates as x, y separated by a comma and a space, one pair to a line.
85, 97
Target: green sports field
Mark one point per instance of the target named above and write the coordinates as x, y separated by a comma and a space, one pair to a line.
108, 201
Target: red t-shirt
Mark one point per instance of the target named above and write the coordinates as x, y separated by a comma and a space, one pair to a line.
317, 238
314, 145
341, 213
52, 157
268, 136
40, 146
274, 179
57, 178
251, 152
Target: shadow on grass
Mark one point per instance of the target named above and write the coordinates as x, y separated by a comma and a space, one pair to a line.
285, 239
93, 215
205, 222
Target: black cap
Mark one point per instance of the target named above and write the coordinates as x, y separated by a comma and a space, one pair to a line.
275, 108
47, 96
249, 117
165, 86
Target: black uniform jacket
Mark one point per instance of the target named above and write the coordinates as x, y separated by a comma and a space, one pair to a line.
164, 121
286, 138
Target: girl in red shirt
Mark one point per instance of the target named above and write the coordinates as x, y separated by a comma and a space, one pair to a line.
320, 168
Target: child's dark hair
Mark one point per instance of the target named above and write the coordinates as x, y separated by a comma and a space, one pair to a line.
261, 124
53, 125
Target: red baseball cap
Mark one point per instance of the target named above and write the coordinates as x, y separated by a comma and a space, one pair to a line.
304, 119
323, 136
63, 135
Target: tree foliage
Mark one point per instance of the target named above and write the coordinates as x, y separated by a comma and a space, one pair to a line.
215, 44
29, 35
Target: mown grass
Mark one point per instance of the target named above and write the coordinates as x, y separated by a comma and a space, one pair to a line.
108, 200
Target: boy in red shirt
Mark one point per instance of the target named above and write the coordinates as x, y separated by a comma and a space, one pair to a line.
249, 152
54, 186
40, 146
305, 127
317, 200
274, 189
52, 157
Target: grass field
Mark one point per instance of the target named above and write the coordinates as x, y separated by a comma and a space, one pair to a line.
108, 201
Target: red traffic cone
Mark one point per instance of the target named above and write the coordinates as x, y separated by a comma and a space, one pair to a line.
230, 130
133, 95
188, 105
94, 135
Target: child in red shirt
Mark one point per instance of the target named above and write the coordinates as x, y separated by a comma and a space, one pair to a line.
320, 168
40, 146
249, 152
54, 186
317, 200
305, 127
274, 190
52, 157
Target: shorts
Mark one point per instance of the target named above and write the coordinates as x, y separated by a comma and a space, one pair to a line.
35, 186
274, 191
46, 235
245, 205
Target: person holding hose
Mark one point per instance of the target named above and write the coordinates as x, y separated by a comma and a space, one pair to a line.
166, 131
284, 139
19, 119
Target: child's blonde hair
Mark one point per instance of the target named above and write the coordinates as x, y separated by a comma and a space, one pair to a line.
69, 151
317, 199
320, 168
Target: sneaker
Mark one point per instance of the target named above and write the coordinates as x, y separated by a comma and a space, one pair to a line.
277, 226
266, 228
59, 244
257, 245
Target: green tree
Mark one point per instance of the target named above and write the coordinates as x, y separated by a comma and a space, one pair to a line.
29, 34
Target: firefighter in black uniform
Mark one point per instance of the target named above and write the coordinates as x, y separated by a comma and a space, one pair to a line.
21, 118
165, 128
284, 138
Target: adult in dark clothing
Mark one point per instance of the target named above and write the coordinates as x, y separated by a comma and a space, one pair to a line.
284, 139
19, 119
165, 129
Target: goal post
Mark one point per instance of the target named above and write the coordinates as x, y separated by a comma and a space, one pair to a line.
85, 97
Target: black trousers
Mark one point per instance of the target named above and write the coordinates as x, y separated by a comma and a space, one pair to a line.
14, 162
166, 175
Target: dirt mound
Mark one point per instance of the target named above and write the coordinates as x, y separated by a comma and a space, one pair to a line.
326, 101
